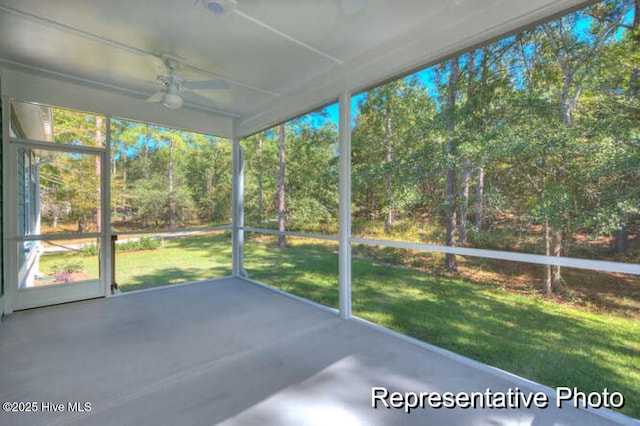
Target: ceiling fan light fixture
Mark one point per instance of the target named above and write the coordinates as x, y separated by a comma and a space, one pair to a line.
217, 7
172, 98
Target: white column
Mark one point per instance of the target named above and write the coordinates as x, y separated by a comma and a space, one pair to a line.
105, 210
10, 210
345, 205
237, 210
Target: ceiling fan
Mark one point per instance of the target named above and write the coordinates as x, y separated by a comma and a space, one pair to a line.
170, 95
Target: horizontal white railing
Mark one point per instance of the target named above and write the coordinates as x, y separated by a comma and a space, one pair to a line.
176, 230
570, 262
87, 235
291, 234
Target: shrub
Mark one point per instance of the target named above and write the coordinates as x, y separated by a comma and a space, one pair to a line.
67, 267
91, 250
144, 243
147, 243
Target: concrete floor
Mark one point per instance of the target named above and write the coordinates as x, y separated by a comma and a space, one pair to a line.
234, 353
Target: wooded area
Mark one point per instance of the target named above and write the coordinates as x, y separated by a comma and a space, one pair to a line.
531, 143
160, 178
166, 178
528, 144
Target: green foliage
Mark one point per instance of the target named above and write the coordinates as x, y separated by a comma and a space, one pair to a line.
68, 267
152, 202
311, 177
69, 182
136, 244
91, 250
143, 243
545, 118
391, 140
169, 178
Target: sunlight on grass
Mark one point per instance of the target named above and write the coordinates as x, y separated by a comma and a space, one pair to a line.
177, 260
306, 268
529, 336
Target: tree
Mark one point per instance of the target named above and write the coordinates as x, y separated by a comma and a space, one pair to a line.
573, 55
390, 139
450, 263
155, 163
207, 171
312, 174
70, 183
261, 178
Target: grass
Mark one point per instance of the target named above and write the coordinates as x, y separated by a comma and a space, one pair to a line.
557, 344
553, 343
526, 335
178, 260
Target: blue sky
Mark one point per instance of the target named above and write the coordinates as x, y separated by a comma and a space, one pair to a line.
424, 76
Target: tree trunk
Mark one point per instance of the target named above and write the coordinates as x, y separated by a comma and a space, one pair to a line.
556, 277
171, 205
389, 182
479, 207
466, 179
145, 152
282, 243
98, 139
260, 179
466, 163
621, 242
450, 263
124, 186
547, 287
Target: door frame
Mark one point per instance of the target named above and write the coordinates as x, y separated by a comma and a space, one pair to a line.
16, 298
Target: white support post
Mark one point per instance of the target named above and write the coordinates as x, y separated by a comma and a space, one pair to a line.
237, 199
106, 258
10, 211
345, 205
4, 128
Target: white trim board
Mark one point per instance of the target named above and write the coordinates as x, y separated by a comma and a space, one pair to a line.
570, 262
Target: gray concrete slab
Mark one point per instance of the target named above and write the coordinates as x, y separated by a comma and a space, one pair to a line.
233, 353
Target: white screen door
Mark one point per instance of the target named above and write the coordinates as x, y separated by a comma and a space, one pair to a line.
55, 249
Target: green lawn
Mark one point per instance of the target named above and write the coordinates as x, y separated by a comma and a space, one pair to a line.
522, 333
526, 335
178, 260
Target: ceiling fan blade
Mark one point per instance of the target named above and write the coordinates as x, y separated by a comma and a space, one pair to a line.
207, 85
156, 97
197, 99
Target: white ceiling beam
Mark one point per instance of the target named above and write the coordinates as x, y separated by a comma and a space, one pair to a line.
32, 87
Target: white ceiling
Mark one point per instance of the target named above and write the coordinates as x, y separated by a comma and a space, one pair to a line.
280, 57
